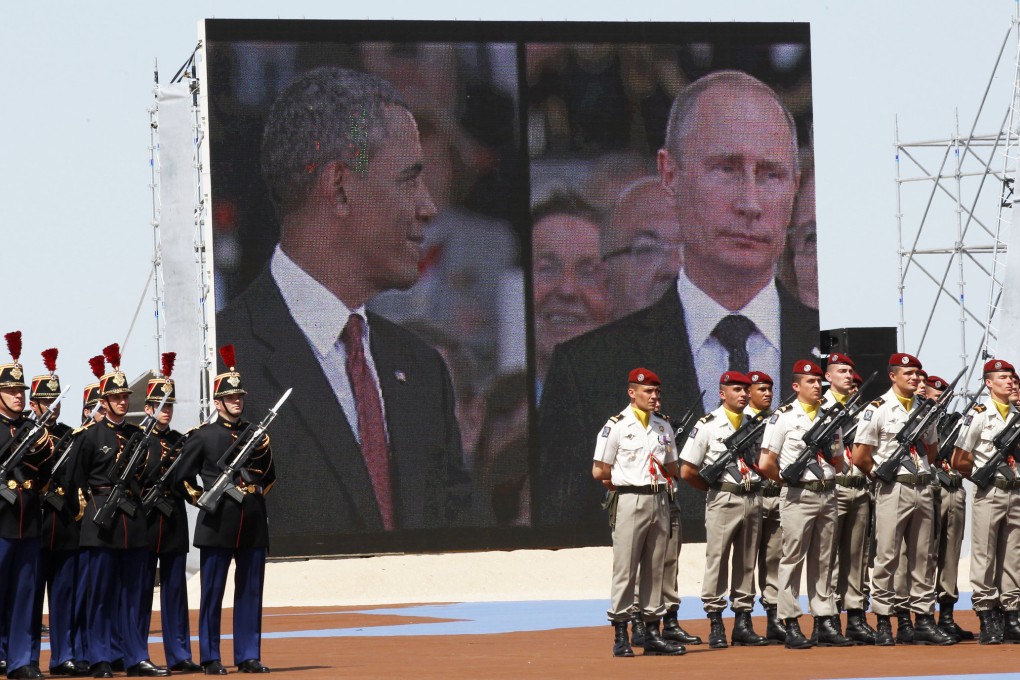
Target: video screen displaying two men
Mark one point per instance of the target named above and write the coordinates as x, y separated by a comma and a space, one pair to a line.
455, 250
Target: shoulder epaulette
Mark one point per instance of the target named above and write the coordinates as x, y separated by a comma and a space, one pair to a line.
662, 415
83, 427
784, 409
706, 418
980, 408
878, 402
617, 418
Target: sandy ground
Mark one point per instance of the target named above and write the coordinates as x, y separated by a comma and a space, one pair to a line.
575, 574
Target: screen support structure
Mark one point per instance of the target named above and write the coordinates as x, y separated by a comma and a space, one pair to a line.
953, 214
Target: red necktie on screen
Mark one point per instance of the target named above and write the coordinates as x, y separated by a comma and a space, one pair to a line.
370, 419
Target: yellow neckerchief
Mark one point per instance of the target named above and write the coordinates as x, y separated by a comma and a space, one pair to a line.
735, 418
841, 398
906, 401
810, 409
754, 411
642, 416
1003, 408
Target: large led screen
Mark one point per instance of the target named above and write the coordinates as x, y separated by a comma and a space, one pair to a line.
454, 240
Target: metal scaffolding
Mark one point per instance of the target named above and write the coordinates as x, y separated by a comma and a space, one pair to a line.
953, 214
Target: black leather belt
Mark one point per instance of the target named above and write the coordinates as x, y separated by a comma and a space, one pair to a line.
952, 482
818, 485
740, 489
1006, 484
646, 490
852, 481
920, 479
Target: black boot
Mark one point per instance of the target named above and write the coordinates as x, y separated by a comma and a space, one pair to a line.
794, 638
904, 628
989, 634
857, 629
656, 646
716, 632
621, 646
1011, 631
828, 633
743, 632
883, 632
948, 624
672, 631
774, 631
637, 631
927, 633
999, 619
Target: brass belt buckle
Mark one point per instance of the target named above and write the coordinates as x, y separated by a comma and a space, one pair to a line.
27, 485
11, 484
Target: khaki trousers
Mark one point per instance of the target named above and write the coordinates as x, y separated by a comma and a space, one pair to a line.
809, 519
903, 578
670, 591
732, 525
995, 549
770, 549
952, 518
850, 544
904, 513
639, 539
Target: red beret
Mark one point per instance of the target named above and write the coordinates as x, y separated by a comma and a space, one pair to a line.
936, 382
642, 376
998, 365
858, 380
807, 368
905, 360
734, 378
757, 377
837, 358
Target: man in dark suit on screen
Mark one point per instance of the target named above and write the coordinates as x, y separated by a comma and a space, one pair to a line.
730, 162
370, 431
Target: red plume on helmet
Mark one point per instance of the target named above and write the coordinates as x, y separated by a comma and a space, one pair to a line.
49, 357
227, 354
168, 363
14, 344
98, 365
112, 354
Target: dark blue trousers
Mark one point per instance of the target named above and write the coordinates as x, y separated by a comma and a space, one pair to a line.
249, 578
58, 575
19, 560
116, 591
173, 604
79, 621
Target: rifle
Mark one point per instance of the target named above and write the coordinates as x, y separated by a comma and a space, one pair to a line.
136, 447
688, 415
231, 463
822, 431
737, 445
63, 449
18, 445
948, 431
912, 431
156, 496
1005, 445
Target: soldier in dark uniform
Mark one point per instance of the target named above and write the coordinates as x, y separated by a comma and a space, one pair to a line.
20, 526
168, 527
58, 558
118, 554
236, 531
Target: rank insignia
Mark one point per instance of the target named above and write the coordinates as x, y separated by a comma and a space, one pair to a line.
400, 376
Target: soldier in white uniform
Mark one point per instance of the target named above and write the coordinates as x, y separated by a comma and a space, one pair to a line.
809, 510
636, 454
903, 507
853, 516
995, 522
732, 515
770, 540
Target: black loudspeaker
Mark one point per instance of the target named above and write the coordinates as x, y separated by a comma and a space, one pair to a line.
870, 348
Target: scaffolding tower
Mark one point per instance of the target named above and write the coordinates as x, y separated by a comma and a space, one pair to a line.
954, 200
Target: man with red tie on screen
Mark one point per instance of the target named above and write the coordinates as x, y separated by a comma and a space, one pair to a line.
373, 417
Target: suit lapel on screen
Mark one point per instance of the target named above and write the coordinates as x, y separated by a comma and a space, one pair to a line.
665, 340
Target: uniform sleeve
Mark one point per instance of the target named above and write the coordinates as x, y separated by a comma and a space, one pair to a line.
775, 434
671, 451
970, 432
867, 427
607, 443
696, 445
191, 464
